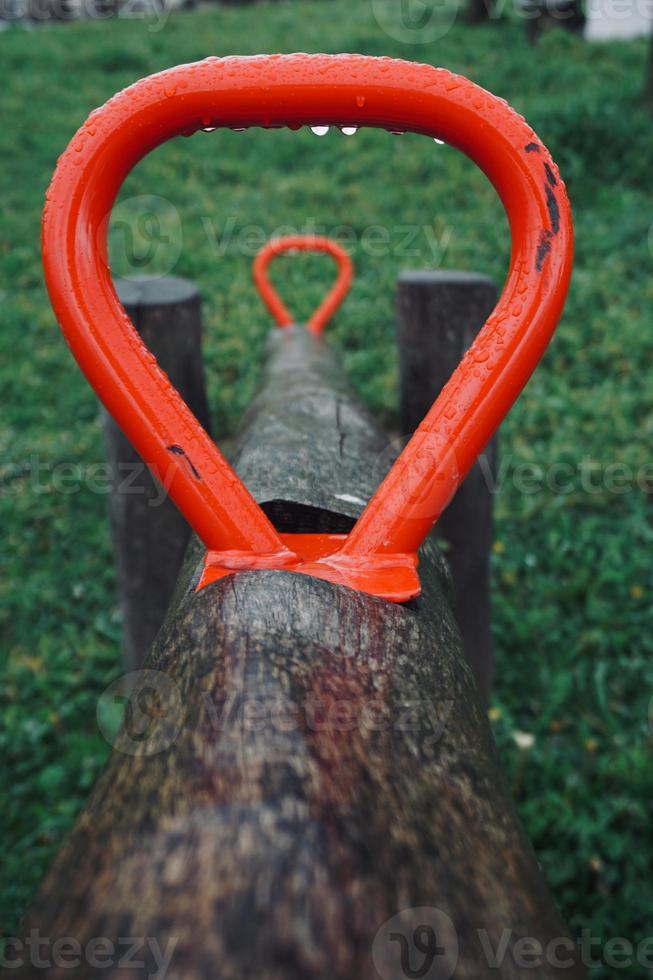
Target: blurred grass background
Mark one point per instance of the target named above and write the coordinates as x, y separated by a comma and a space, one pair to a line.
572, 571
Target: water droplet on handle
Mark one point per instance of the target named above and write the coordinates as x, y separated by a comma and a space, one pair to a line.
349, 130
320, 130
439, 142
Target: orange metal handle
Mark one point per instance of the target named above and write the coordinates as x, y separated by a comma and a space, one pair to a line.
379, 555
305, 243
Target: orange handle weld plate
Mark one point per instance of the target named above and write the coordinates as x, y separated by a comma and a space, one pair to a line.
379, 556
303, 243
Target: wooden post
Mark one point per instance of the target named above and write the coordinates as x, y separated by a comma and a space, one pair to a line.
438, 315
480, 11
542, 15
149, 534
306, 786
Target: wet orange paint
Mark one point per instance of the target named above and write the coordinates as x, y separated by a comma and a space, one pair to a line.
380, 554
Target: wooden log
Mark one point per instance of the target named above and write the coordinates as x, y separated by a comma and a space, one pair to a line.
306, 785
149, 534
308, 451
438, 315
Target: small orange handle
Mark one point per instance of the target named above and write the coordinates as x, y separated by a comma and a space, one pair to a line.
303, 243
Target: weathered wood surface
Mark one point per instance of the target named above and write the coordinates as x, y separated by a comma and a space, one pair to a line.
301, 764
149, 534
439, 314
308, 451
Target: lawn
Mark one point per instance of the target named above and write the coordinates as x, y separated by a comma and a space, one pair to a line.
573, 620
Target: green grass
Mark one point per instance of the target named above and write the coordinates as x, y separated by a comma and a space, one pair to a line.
572, 571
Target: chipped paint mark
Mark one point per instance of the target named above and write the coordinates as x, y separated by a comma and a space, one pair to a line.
550, 176
554, 210
342, 435
532, 147
543, 248
178, 451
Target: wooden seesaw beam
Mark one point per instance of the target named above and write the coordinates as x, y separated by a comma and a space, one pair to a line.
306, 774
380, 842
